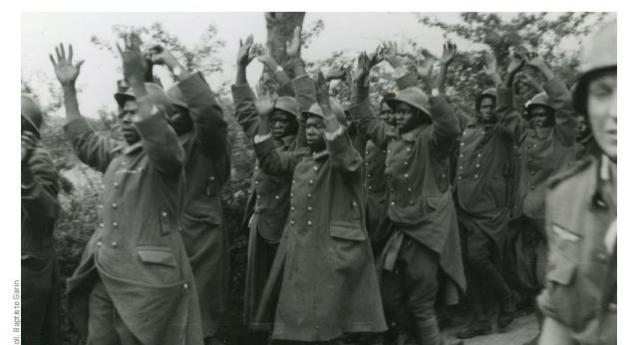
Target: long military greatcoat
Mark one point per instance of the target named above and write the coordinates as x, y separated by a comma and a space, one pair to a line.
417, 177
538, 157
207, 168
482, 183
137, 252
40, 208
329, 284
580, 290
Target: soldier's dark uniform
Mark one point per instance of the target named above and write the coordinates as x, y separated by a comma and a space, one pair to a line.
537, 158
268, 205
39, 277
376, 189
421, 221
134, 283
207, 167
482, 192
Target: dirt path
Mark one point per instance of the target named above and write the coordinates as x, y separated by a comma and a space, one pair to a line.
523, 329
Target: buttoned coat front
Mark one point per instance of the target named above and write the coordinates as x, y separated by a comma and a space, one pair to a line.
329, 284
376, 189
207, 168
137, 252
482, 183
580, 290
417, 177
538, 157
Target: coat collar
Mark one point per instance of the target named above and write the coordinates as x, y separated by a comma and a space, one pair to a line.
413, 134
320, 155
603, 196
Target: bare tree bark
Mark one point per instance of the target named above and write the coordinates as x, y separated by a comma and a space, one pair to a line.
280, 26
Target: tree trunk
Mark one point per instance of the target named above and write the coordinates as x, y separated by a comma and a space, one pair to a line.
280, 26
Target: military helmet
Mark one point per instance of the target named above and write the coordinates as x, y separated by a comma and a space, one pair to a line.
490, 92
155, 93
600, 53
335, 107
31, 112
287, 104
412, 96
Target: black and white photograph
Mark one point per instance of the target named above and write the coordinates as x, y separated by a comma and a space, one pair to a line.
324, 178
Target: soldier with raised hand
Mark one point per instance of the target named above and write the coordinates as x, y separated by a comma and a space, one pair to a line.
546, 133
40, 210
580, 300
268, 206
420, 225
481, 193
134, 284
198, 120
329, 287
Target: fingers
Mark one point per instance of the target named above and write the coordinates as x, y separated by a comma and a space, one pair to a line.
119, 49
70, 53
58, 54
62, 52
53, 61
249, 40
79, 64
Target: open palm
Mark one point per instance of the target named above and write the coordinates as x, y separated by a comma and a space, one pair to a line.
66, 71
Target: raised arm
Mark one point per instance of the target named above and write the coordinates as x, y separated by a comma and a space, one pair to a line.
91, 148
446, 127
371, 127
560, 98
159, 140
270, 159
207, 116
509, 118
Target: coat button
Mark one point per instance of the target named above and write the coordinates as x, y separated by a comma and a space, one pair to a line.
309, 223
309, 208
478, 165
185, 286
310, 181
114, 244
532, 172
409, 189
293, 208
475, 176
479, 154
406, 163
461, 167
461, 155
292, 222
99, 244
410, 202
164, 214
602, 257
116, 184
315, 168
408, 149
258, 196
370, 188
393, 203
459, 177
613, 307
102, 225
406, 175
212, 178
114, 205
369, 175
115, 224
123, 163
461, 143
309, 195
532, 187
277, 197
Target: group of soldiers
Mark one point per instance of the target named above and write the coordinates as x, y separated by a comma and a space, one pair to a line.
364, 218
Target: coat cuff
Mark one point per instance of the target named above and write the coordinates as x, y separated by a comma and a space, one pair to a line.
330, 136
259, 138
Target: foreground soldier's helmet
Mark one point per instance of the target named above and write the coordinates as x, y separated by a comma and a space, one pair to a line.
335, 107
414, 97
155, 93
600, 53
488, 93
31, 112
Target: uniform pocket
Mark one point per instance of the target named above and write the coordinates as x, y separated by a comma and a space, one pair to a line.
347, 231
157, 255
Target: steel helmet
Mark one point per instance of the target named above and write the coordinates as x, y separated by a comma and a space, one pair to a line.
600, 53
540, 99
155, 93
287, 104
335, 107
412, 96
31, 112
490, 92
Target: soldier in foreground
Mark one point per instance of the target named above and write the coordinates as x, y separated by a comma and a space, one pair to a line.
579, 299
134, 284
40, 209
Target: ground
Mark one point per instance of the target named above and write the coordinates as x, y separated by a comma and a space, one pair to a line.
523, 329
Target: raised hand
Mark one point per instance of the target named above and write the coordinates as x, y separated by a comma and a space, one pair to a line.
449, 52
264, 106
376, 57
322, 90
294, 45
337, 74
363, 68
28, 142
517, 60
490, 64
261, 53
245, 53
65, 70
537, 62
158, 55
134, 64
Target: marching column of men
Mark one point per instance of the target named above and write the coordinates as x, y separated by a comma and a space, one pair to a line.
356, 227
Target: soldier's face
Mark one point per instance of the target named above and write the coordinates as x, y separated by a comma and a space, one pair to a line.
540, 116
386, 114
129, 131
314, 130
405, 117
488, 109
602, 107
280, 124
